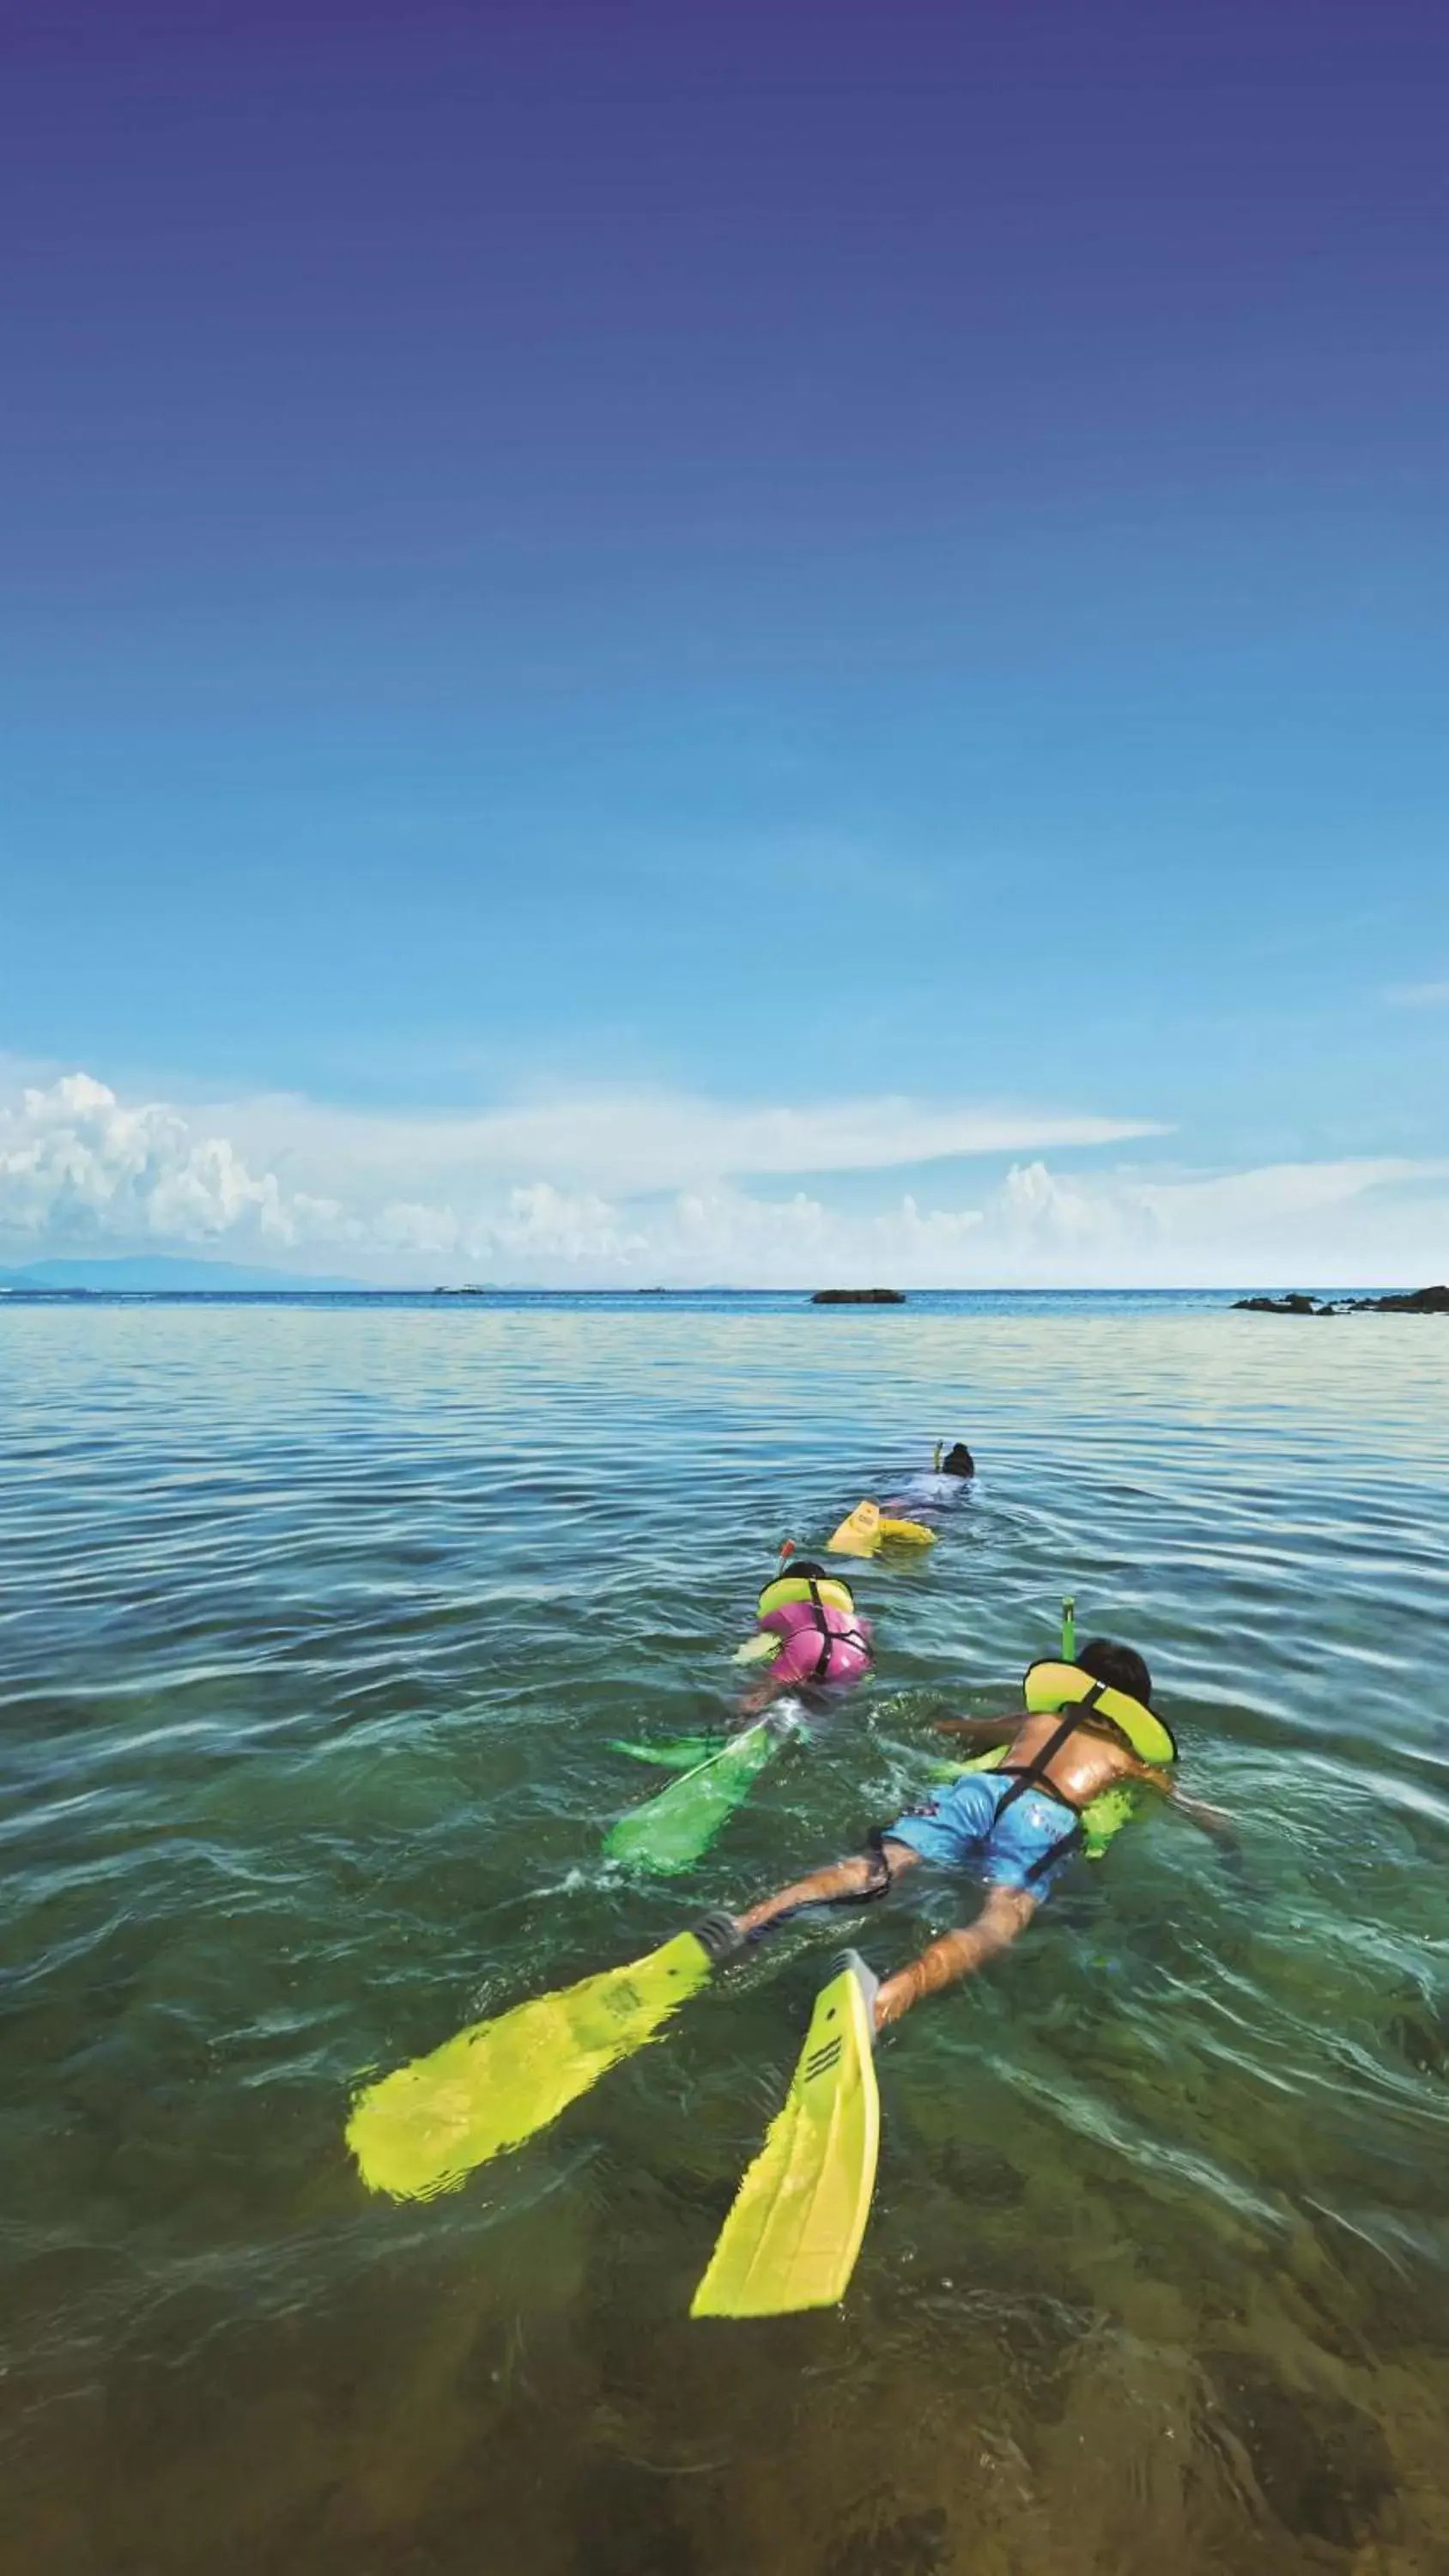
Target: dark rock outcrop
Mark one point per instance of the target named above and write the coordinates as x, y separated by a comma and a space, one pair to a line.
1294, 1304
859, 1297
1417, 1301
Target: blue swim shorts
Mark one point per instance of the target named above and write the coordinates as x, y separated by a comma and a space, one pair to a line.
1026, 1848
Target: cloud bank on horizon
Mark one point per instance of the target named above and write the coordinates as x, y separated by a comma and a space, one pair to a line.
656, 1188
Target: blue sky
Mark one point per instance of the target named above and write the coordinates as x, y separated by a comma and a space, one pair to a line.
680, 643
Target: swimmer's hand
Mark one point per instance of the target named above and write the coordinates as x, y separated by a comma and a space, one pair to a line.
1213, 1820
1223, 1829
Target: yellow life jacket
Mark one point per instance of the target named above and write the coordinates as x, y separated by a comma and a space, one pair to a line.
1051, 1686
825, 1590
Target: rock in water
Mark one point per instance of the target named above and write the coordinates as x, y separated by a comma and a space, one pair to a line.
1293, 1304
1415, 1301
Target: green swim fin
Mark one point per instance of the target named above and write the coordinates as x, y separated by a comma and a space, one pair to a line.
676, 1753
669, 1832
794, 2232
420, 2130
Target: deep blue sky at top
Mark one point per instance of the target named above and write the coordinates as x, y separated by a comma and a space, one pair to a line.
778, 549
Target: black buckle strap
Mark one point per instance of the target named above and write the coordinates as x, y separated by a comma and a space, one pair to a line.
1075, 1833
831, 1637
1040, 1763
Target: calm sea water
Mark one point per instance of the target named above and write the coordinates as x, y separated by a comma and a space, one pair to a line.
315, 1621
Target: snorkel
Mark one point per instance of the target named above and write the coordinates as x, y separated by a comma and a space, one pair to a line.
1053, 1686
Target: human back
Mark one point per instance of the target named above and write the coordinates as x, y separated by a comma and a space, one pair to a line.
1093, 1754
1091, 1760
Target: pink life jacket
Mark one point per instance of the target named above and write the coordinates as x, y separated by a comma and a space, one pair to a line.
820, 1644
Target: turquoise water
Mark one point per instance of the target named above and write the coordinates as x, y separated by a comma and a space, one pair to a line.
315, 1620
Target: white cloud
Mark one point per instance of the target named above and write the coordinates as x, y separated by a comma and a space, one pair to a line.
1035, 1204
1283, 1192
75, 1163
626, 1143
1333, 1223
1418, 997
436, 1198
555, 1226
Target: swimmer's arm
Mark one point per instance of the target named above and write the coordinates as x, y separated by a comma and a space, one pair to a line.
1213, 1820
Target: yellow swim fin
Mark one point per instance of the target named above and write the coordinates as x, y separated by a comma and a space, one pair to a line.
907, 1533
794, 2232
420, 2130
859, 1534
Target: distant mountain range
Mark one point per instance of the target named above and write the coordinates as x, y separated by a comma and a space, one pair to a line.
159, 1272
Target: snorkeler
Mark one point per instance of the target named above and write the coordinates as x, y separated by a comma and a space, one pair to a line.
939, 1489
811, 1641
899, 1520
1085, 1738
808, 1626
1088, 1728
1087, 1735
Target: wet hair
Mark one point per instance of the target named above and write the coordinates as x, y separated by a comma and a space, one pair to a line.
1120, 1667
958, 1461
804, 1566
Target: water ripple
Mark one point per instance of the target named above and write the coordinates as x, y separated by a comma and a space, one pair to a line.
315, 1624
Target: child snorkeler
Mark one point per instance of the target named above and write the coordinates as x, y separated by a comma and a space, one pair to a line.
1091, 1728
808, 1626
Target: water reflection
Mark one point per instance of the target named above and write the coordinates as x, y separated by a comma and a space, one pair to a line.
314, 1627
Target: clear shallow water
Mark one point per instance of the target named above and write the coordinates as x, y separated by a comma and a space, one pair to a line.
314, 1621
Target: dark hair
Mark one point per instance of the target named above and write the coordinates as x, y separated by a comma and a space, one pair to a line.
1120, 1667
958, 1461
801, 1565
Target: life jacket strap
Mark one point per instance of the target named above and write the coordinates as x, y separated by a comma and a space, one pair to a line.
829, 1638
1035, 1770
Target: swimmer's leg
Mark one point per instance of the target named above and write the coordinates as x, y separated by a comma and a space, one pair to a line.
1006, 1912
843, 1882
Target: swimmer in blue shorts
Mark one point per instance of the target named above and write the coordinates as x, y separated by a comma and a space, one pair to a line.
1089, 1727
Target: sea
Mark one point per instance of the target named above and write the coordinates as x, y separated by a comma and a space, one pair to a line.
321, 1622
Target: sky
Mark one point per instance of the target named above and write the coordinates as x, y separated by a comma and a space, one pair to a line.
766, 644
